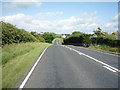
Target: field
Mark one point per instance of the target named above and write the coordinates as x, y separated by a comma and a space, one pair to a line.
17, 60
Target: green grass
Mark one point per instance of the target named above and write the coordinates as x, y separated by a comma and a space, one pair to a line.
14, 50
61, 40
105, 48
0, 68
20, 58
53, 41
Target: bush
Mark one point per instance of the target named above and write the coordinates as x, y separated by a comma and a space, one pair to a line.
11, 34
106, 41
48, 36
38, 36
77, 38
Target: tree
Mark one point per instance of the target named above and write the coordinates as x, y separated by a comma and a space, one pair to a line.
98, 32
114, 33
34, 33
38, 36
48, 36
11, 34
76, 32
77, 38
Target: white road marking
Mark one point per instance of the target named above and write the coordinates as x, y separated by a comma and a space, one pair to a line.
109, 69
100, 52
29, 74
94, 59
57, 42
80, 53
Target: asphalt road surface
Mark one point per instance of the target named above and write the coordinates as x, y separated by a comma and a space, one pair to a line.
64, 67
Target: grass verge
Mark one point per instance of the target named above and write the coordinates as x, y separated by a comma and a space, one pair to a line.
0, 68
105, 48
61, 40
53, 41
22, 56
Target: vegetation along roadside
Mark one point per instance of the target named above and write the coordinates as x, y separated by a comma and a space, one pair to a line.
22, 57
20, 49
99, 40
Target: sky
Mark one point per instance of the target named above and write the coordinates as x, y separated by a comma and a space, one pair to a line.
61, 17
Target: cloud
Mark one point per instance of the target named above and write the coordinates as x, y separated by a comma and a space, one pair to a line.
116, 22
116, 17
85, 23
22, 4
48, 14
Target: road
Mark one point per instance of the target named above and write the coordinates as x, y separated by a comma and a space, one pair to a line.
62, 67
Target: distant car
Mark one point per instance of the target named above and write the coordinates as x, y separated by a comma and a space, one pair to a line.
86, 45
81, 44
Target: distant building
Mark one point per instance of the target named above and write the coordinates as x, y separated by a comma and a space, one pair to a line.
41, 32
93, 36
64, 36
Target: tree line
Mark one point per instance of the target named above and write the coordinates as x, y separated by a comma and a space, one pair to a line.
12, 34
98, 37
77, 38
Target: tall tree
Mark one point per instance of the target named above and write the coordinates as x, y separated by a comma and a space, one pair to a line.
48, 36
98, 32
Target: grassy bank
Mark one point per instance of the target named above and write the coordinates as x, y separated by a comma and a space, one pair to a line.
61, 40
105, 48
18, 59
0, 68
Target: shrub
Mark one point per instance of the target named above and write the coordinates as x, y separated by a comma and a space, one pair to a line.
38, 36
77, 38
106, 41
48, 36
11, 34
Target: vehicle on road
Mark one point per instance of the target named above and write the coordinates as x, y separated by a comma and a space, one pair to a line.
79, 44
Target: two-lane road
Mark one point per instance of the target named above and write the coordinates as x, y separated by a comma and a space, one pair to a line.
61, 67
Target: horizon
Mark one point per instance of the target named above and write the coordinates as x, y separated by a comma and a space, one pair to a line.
62, 17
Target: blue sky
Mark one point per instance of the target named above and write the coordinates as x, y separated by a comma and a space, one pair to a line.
60, 13
103, 9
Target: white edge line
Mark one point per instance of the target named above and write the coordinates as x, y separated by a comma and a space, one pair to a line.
101, 62
28, 75
101, 52
111, 67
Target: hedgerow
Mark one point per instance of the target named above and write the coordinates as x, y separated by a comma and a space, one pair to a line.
106, 41
11, 34
77, 38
